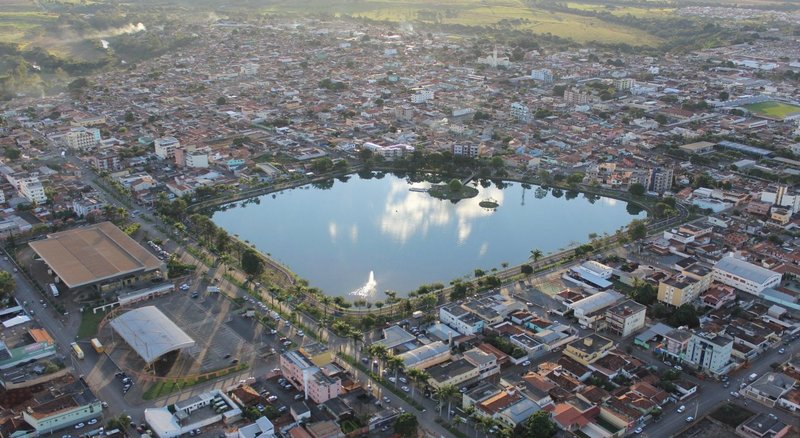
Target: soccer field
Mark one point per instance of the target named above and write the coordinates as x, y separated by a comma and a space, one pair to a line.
772, 109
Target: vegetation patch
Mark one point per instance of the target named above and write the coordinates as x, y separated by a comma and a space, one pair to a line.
732, 415
89, 323
773, 109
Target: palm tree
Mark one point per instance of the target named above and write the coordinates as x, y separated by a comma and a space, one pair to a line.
326, 301
378, 351
396, 364
443, 393
356, 336
535, 255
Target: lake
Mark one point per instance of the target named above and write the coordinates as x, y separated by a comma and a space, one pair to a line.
374, 234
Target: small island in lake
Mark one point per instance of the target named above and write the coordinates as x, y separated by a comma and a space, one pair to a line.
453, 190
489, 203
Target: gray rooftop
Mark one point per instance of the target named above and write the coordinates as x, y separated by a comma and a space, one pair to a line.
150, 333
395, 336
744, 269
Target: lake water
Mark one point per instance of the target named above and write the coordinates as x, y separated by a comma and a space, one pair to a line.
374, 234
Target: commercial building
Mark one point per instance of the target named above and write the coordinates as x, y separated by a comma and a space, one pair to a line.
698, 148
99, 255
165, 147
86, 206
150, 333
745, 276
709, 352
73, 405
426, 356
589, 349
625, 318
23, 344
545, 75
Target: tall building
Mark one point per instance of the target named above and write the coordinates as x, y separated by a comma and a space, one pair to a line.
165, 147
466, 150
82, 138
624, 84
32, 189
545, 75
520, 112
625, 318
661, 179
106, 162
576, 96
709, 352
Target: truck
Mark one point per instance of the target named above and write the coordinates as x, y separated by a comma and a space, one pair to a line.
212, 289
753, 377
77, 350
53, 290
417, 314
98, 347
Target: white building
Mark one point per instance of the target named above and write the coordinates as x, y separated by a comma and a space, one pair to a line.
262, 428
779, 196
248, 69
460, 319
744, 276
625, 318
165, 147
520, 112
709, 352
32, 189
422, 96
82, 138
197, 159
86, 206
544, 75
193, 413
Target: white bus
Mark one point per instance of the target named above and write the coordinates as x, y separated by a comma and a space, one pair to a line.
53, 290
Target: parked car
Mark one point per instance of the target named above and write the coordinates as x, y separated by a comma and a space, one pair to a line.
689, 419
638, 430
392, 379
405, 389
272, 398
387, 400
298, 396
678, 367
79, 426
526, 363
282, 409
92, 421
681, 409
403, 380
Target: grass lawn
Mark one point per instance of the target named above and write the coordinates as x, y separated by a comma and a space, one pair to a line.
15, 25
89, 323
776, 110
732, 415
166, 387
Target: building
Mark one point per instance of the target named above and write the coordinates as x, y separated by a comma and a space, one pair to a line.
426, 356
452, 373
661, 180
699, 148
471, 150
300, 371
106, 162
709, 352
165, 147
625, 318
769, 388
589, 349
63, 411
520, 112
624, 84
576, 97
32, 190
82, 138
485, 362
422, 96
679, 290
262, 428
99, 255
545, 75
85, 206
196, 159
23, 344
745, 276
460, 319
193, 413
764, 425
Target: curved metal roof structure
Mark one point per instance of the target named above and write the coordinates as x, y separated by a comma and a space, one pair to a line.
150, 333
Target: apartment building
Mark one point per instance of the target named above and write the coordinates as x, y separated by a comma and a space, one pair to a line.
107, 163
589, 349
460, 319
32, 189
165, 147
709, 352
300, 371
520, 112
625, 318
82, 138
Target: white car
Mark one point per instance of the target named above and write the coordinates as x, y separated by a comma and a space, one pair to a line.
79, 426
689, 419
681, 409
92, 421
638, 430
405, 389
403, 380
392, 379
526, 363
678, 367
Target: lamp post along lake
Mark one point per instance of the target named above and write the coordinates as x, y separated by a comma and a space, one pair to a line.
363, 236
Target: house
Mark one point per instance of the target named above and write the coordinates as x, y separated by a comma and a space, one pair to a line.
426, 356
769, 388
452, 373
262, 428
763, 426
718, 295
460, 319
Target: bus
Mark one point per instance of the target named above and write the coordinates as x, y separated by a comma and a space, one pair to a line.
98, 347
53, 290
77, 350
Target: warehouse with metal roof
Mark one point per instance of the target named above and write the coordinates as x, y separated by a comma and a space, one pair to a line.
150, 333
95, 255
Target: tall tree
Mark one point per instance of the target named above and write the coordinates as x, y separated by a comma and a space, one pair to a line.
7, 284
445, 393
406, 425
539, 425
252, 263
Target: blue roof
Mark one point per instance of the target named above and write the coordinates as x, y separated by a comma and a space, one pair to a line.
744, 148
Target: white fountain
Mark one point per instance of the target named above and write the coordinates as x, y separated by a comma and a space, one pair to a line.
368, 289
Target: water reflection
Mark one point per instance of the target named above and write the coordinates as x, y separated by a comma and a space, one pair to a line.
408, 213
